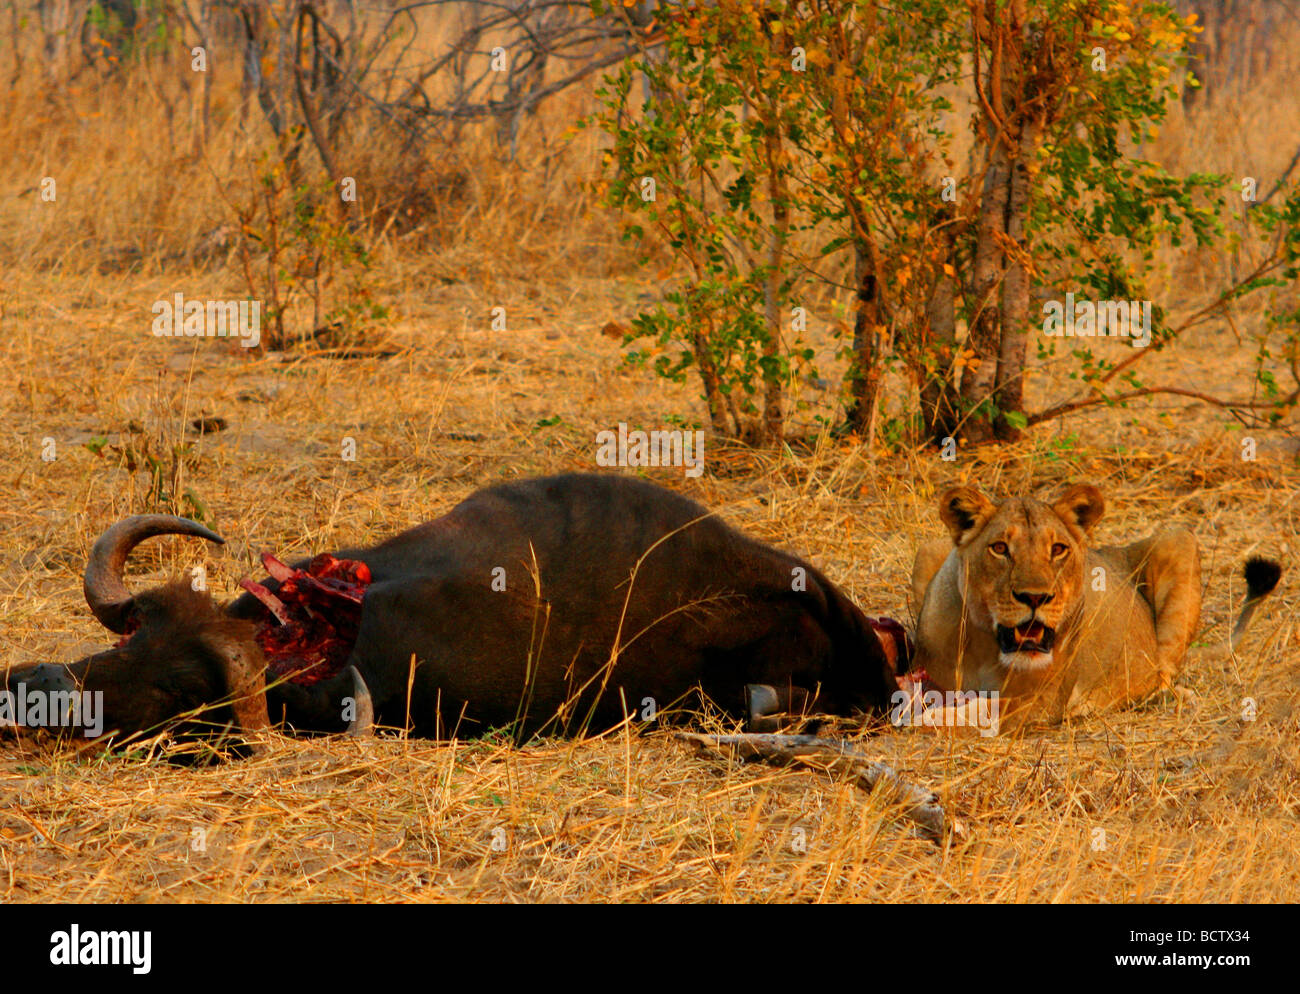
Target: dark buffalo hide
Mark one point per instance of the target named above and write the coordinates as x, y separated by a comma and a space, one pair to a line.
552, 604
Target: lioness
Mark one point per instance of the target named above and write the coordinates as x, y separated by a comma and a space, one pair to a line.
1016, 602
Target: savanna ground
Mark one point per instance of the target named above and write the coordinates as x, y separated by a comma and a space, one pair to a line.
1154, 803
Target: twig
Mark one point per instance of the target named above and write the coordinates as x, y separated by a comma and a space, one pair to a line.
1281, 181
1066, 407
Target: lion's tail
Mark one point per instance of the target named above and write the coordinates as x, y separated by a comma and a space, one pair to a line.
1262, 576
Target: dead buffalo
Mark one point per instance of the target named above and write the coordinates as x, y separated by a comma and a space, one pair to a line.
555, 604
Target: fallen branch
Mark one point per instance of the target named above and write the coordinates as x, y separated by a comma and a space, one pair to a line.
919, 805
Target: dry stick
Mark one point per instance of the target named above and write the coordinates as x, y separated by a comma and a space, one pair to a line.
1281, 181
919, 805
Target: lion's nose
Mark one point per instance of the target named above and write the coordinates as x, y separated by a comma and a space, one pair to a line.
1034, 601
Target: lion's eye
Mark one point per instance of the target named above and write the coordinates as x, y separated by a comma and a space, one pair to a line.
998, 548
1059, 549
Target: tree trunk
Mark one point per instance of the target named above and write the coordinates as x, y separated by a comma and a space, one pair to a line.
979, 376
940, 405
773, 391
15, 39
1009, 394
709, 379
201, 113
773, 427
864, 374
56, 21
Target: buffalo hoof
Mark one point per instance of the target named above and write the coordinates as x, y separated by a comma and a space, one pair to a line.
762, 708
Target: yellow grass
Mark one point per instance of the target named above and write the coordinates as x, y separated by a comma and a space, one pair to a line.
1146, 804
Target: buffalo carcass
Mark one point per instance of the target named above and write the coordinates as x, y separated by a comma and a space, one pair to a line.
554, 604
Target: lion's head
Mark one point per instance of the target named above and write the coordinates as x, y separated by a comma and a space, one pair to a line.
1023, 566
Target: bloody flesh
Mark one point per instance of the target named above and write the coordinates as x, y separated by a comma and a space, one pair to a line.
896, 643
312, 618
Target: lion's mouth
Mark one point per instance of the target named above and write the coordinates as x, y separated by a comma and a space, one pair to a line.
1030, 637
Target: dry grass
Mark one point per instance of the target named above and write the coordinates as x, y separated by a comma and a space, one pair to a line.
1195, 805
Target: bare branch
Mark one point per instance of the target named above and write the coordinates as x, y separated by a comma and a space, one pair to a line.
919, 805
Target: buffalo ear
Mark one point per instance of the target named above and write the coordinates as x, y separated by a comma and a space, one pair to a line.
1082, 505
964, 510
244, 669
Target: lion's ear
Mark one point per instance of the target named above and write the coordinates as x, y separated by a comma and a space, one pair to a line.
1081, 505
964, 509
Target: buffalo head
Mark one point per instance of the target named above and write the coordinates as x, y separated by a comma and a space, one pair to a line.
182, 654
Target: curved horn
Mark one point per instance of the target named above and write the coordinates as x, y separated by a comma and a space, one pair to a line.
106, 593
364, 722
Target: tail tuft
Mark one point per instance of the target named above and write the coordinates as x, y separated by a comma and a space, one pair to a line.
1262, 576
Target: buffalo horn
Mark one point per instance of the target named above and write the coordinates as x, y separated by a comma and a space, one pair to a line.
106, 592
364, 722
